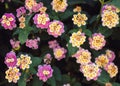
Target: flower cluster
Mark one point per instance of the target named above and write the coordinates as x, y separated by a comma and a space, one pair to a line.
91, 71
59, 5
97, 41
47, 58
82, 56
44, 72
24, 62
8, 21
110, 17
59, 52
77, 9
41, 20
79, 19
21, 11
55, 28
32, 43
77, 39
15, 44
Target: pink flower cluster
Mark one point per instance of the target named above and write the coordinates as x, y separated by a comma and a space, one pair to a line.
59, 52
20, 11
97, 41
33, 6
41, 20
47, 58
55, 28
15, 44
10, 59
8, 21
44, 72
32, 43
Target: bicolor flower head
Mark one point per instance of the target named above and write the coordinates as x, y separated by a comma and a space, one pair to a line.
53, 44
90, 71
79, 19
24, 62
41, 20
15, 44
8, 21
77, 9
59, 5
37, 7
55, 28
102, 61
21, 11
82, 56
32, 43
112, 69
110, 54
10, 59
44, 72
97, 41
110, 19
77, 39
13, 74
108, 7
59, 53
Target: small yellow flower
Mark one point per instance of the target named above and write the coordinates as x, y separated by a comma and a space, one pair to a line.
108, 84
12, 74
22, 19
102, 60
42, 19
77, 9
110, 19
43, 9
24, 61
79, 19
77, 39
22, 25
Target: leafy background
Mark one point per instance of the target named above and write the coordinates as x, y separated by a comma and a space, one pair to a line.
63, 70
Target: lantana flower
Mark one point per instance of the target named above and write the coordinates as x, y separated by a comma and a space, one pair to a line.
91, 71
13, 74
82, 56
44, 72
77, 39
15, 44
79, 19
41, 20
97, 41
10, 59
55, 28
110, 55
24, 62
8, 21
59, 5
53, 44
21, 11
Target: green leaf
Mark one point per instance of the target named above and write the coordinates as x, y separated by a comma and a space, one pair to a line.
57, 73
23, 36
104, 77
27, 20
87, 32
73, 30
36, 61
36, 81
74, 2
71, 50
22, 80
65, 79
115, 3
115, 84
51, 81
32, 70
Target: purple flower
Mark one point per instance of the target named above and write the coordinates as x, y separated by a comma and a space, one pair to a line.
44, 72
10, 59
21, 11
53, 44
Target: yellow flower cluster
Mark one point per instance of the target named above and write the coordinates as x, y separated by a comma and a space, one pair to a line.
110, 19
112, 69
79, 19
84, 58
30, 3
77, 39
12, 74
59, 5
102, 60
77, 9
43, 9
42, 19
24, 61
91, 71
58, 53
